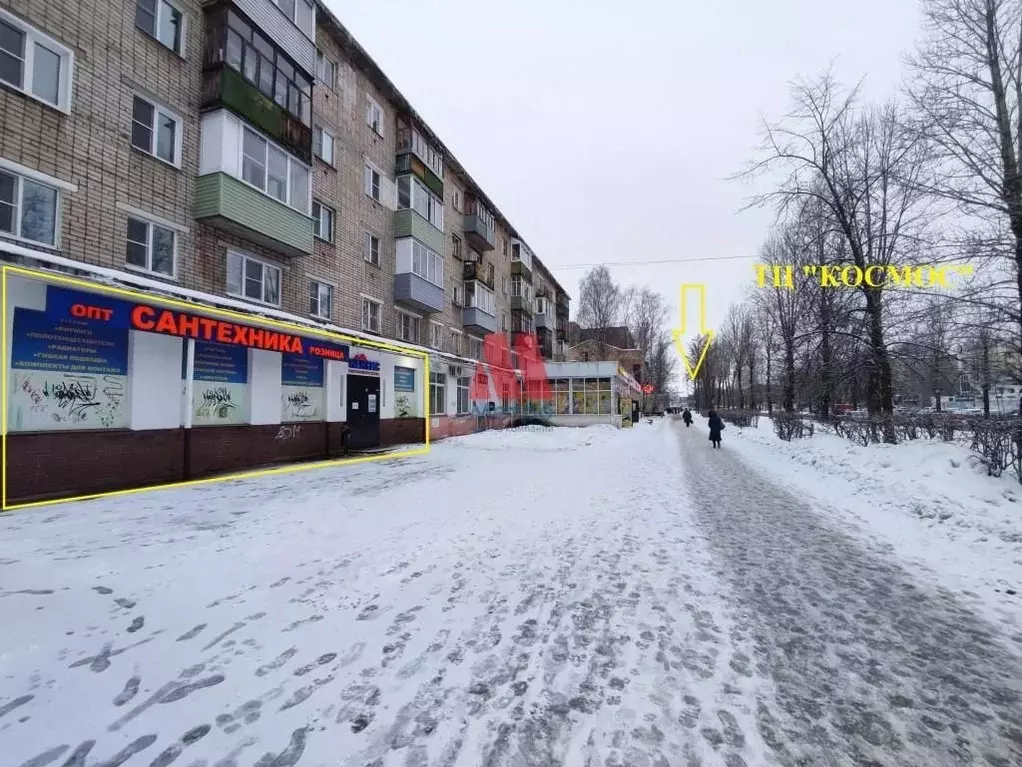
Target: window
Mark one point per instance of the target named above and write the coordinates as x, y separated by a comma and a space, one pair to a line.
155, 130
151, 247
372, 182
436, 334
457, 295
412, 193
371, 315
590, 396
437, 393
250, 278
321, 299
457, 200
410, 139
300, 12
162, 21
322, 221
504, 285
408, 327
34, 63
478, 296
323, 145
457, 245
521, 253
326, 70
232, 40
414, 257
560, 390
274, 172
520, 288
463, 403
503, 321
372, 249
455, 341
540, 305
503, 245
28, 209
475, 348
374, 117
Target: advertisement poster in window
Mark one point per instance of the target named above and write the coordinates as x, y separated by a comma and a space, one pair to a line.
405, 401
301, 388
220, 388
66, 373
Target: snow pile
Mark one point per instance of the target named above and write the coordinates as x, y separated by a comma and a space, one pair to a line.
929, 500
534, 439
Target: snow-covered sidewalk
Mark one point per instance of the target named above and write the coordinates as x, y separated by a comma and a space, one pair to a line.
519, 598
926, 500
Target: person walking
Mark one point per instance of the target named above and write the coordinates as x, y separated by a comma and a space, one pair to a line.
686, 416
716, 427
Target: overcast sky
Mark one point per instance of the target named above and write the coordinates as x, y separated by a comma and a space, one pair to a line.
605, 130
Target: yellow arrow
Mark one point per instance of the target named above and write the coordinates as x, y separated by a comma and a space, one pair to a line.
700, 291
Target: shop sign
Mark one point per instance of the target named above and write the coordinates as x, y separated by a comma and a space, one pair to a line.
363, 363
404, 379
117, 313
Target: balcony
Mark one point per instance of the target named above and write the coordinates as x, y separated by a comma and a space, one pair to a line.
408, 223
481, 272
417, 293
562, 334
479, 226
222, 86
235, 207
295, 36
561, 307
546, 342
521, 304
544, 320
478, 321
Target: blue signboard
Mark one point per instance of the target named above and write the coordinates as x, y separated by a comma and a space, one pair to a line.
301, 370
40, 341
115, 312
404, 379
221, 363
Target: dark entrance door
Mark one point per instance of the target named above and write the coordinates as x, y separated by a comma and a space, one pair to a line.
635, 411
363, 411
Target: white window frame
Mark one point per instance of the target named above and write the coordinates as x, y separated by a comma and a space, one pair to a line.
437, 392
322, 60
373, 181
367, 248
472, 341
456, 199
150, 232
503, 321
324, 135
504, 283
434, 204
318, 283
317, 221
183, 36
20, 175
292, 161
477, 289
436, 334
294, 19
266, 265
426, 256
374, 115
159, 109
462, 386
368, 300
65, 77
403, 315
456, 334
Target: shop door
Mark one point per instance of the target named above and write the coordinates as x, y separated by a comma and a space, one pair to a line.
635, 411
363, 411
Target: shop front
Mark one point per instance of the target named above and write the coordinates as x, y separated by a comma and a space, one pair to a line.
587, 393
109, 392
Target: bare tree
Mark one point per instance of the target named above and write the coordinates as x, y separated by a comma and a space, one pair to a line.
600, 304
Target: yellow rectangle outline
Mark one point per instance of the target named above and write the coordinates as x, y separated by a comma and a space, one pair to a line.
192, 307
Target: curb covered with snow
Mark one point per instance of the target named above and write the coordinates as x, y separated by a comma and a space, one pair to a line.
928, 500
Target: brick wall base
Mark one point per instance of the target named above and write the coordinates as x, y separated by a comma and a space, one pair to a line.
52, 465
459, 426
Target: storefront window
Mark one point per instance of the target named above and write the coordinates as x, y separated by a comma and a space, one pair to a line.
301, 390
589, 396
220, 384
559, 387
437, 394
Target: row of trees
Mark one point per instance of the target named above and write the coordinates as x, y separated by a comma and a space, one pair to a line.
932, 177
604, 304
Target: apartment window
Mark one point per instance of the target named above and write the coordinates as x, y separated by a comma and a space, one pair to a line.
437, 393
326, 70
409, 138
503, 321
151, 247
372, 249
322, 221
34, 63
232, 40
540, 305
475, 348
521, 289
155, 130
321, 299
414, 257
371, 315
323, 145
372, 182
504, 285
374, 117
474, 208
248, 277
463, 401
457, 295
455, 341
408, 327
436, 335
478, 296
457, 245
274, 172
503, 245
412, 193
28, 209
457, 200
300, 12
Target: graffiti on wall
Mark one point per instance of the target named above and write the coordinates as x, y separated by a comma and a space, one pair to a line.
301, 403
43, 400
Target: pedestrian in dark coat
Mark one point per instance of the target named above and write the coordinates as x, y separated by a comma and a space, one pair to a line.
716, 427
687, 417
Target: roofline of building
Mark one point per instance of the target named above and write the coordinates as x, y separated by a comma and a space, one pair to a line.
360, 57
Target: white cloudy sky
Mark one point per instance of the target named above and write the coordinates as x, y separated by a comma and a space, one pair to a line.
605, 130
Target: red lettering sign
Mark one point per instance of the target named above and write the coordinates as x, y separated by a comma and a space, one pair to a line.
187, 325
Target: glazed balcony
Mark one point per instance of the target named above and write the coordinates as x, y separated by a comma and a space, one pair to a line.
481, 272
479, 226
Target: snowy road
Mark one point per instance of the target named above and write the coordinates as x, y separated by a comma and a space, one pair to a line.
576, 597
